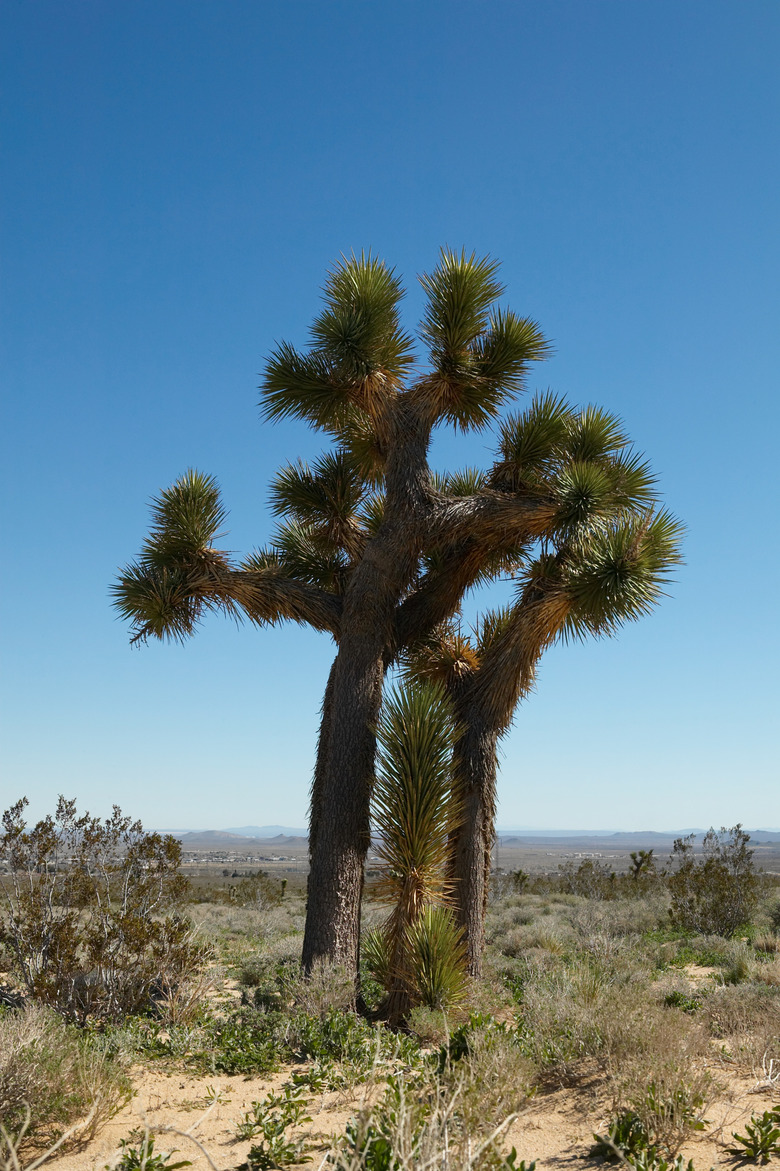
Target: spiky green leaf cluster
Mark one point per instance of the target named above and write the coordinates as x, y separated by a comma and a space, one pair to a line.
479, 352
412, 811
582, 458
165, 592
187, 519
437, 959
324, 500
621, 573
359, 351
302, 556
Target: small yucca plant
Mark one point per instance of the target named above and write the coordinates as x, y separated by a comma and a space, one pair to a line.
414, 815
437, 959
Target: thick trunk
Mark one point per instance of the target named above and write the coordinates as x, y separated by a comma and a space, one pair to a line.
342, 824
475, 764
340, 817
320, 765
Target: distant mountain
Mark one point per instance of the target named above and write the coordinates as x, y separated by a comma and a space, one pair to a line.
246, 836
615, 839
217, 839
266, 831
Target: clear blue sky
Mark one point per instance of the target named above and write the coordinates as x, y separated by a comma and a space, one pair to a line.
177, 177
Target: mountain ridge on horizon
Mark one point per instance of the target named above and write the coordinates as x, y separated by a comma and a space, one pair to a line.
270, 832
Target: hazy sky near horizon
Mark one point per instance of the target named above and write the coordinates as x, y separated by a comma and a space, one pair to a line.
177, 178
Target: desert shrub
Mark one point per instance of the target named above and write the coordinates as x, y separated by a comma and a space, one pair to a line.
494, 1078
256, 890
621, 917
768, 944
430, 1026
270, 1120
145, 1158
255, 1040
625, 1136
50, 1069
768, 972
602, 1009
665, 1105
685, 1001
670, 1101
774, 917
718, 892
505, 883
89, 927
248, 1042
591, 879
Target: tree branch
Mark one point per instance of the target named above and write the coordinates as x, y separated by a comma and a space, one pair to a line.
268, 596
492, 517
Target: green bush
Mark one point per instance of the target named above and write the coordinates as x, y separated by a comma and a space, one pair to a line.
717, 893
90, 925
246, 1042
257, 890
590, 880
271, 1119
627, 1135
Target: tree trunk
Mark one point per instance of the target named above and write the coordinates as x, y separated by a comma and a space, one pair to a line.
340, 817
344, 783
474, 766
321, 762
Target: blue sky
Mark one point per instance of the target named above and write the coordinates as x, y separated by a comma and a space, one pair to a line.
177, 178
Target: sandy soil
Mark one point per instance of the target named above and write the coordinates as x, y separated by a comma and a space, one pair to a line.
556, 1128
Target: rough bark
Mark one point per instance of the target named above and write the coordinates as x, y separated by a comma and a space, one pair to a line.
484, 708
474, 769
320, 764
491, 517
341, 817
376, 585
414, 516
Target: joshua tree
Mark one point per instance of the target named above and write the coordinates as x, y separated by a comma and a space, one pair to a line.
591, 585
376, 571
642, 863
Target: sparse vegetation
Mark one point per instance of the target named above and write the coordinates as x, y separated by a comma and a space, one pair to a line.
592, 991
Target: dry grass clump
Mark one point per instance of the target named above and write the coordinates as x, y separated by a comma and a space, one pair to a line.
327, 988
621, 917
516, 940
670, 1098
768, 943
50, 1070
746, 1017
525, 922
603, 1007
250, 925
455, 1121
493, 1081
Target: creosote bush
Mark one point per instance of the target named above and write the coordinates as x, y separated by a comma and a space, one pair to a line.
90, 923
718, 892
